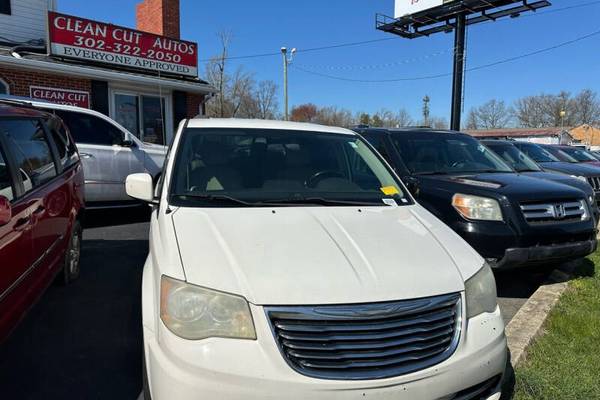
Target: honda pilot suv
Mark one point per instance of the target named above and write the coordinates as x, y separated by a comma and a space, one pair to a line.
512, 220
41, 205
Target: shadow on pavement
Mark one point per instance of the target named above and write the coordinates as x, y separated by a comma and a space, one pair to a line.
116, 216
82, 341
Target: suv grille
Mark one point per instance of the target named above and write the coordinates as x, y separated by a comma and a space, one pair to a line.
594, 182
555, 212
368, 341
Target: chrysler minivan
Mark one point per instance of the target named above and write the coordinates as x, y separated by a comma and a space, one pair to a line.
289, 261
41, 207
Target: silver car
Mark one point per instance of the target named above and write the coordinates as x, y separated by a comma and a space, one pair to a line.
109, 153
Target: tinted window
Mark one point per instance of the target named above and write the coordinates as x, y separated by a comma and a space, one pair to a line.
67, 152
559, 154
578, 154
537, 153
514, 157
439, 153
28, 145
6, 187
275, 165
378, 141
89, 129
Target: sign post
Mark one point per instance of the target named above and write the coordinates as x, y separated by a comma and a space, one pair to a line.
421, 18
83, 39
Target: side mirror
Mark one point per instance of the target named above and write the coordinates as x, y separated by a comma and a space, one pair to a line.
128, 143
412, 184
141, 187
5, 211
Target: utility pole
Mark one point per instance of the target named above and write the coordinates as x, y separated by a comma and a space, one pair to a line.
459, 68
286, 62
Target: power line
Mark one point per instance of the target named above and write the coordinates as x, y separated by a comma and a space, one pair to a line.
476, 68
364, 42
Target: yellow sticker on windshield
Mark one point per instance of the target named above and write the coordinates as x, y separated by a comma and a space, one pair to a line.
389, 190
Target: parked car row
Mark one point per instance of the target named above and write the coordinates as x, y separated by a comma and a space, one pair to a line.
293, 258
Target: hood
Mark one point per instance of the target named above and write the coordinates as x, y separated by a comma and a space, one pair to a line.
578, 169
322, 255
517, 187
564, 179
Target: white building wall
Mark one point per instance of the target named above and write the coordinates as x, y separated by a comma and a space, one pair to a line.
27, 20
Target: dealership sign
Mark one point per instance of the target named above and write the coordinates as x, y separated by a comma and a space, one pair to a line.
83, 39
61, 96
408, 7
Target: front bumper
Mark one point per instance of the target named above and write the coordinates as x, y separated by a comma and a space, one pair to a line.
241, 369
549, 255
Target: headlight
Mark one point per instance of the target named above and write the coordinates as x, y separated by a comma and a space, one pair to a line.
581, 178
477, 208
195, 313
480, 292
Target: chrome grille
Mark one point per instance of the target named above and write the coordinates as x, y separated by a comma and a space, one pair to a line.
555, 212
594, 182
367, 341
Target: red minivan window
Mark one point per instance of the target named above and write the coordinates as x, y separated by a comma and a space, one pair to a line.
6, 187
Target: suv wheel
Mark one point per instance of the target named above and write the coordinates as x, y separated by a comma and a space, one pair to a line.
71, 268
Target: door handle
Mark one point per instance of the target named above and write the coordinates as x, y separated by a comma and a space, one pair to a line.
86, 155
39, 210
22, 223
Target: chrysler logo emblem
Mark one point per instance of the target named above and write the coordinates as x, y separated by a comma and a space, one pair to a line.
559, 211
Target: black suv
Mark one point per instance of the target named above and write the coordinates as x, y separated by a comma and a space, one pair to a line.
511, 219
541, 154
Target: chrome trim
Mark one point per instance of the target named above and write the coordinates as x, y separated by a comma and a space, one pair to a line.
566, 211
299, 344
31, 268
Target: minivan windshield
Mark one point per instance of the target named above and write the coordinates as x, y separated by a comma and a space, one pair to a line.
268, 167
426, 153
514, 157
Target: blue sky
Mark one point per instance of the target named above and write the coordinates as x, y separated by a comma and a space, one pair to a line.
266, 25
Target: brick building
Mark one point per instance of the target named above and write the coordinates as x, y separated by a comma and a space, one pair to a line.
145, 78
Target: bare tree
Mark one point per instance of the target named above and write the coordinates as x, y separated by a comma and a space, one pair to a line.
403, 118
530, 112
472, 121
266, 99
587, 107
492, 115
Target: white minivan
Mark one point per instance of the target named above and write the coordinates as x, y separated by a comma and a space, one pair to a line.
288, 261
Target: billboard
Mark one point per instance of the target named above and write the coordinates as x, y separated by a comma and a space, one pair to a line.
61, 96
92, 41
408, 7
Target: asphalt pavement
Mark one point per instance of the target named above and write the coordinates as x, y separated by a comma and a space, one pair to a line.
84, 341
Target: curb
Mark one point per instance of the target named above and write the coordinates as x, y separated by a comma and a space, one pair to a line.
528, 322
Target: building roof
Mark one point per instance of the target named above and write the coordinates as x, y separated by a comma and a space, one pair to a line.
264, 124
518, 132
46, 63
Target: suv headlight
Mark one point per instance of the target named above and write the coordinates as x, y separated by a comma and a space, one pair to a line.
477, 208
480, 292
579, 177
193, 312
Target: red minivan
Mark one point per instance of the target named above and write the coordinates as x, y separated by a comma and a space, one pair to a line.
41, 206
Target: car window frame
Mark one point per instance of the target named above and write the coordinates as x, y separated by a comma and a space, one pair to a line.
178, 153
18, 184
124, 134
13, 176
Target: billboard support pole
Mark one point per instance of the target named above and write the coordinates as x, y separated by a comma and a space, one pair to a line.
459, 67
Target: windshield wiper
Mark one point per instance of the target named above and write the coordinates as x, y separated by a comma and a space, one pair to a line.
425, 173
215, 198
319, 201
